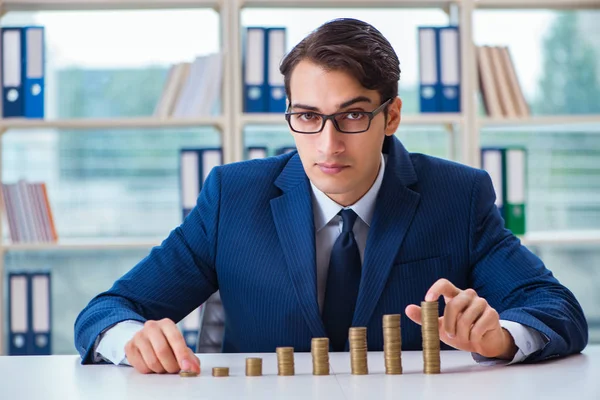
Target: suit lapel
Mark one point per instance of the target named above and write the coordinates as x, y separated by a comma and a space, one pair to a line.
394, 211
293, 216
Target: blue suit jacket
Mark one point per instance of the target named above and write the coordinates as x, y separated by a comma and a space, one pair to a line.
252, 236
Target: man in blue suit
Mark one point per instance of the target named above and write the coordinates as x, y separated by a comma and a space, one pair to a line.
345, 230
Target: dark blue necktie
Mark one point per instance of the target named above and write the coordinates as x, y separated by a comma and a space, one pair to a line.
343, 280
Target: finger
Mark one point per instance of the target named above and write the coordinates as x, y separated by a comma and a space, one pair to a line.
162, 350
186, 360
147, 352
487, 322
135, 359
468, 318
442, 287
454, 307
414, 313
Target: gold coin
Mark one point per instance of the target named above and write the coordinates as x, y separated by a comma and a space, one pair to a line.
220, 371
188, 374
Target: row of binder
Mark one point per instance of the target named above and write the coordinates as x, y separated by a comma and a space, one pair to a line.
28, 212
499, 84
23, 70
439, 69
192, 89
264, 90
29, 315
507, 167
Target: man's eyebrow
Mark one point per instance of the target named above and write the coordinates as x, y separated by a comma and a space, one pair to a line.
358, 99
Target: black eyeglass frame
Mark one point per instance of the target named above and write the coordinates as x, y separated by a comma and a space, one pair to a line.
324, 118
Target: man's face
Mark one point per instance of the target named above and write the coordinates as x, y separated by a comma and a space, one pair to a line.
343, 166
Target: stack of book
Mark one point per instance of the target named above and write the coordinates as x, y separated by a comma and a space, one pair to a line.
192, 89
28, 212
500, 89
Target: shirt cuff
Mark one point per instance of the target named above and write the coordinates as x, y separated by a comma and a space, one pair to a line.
111, 346
527, 340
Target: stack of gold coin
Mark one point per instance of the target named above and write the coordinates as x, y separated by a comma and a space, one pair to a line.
358, 350
320, 356
431, 337
220, 371
188, 374
253, 366
392, 344
285, 361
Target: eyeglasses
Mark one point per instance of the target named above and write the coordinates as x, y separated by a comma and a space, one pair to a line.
309, 122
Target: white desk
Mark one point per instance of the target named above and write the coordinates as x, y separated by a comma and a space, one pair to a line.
62, 377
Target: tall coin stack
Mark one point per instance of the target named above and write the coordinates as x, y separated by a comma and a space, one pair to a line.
358, 350
253, 366
392, 344
431, 337
285, 361
320, 356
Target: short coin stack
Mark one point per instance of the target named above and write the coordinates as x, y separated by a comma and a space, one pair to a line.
392, 344
253, 366
285, 361
358, 350
220, 371
431, 337
188, 374
320, 356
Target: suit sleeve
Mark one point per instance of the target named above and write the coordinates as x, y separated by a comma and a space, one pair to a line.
174, 279
516, 282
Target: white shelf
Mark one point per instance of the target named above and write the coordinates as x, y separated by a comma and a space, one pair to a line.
68, 5
143, 122
348, 3
542, 120
583, 237
419, 119
537, 4
85, 244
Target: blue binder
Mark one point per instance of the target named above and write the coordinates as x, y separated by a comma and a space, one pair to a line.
40, 313
13, 99
275, 50
254, 67
493, 161
285, 149
194, 166
33, 70
19, 336
429, 70
449, 51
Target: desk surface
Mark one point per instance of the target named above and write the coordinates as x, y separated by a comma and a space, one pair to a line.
62, 377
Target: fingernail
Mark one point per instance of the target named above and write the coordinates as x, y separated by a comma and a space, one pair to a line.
430, 297
185, 365
450, 335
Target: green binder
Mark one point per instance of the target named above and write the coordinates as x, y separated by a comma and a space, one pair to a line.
515, 163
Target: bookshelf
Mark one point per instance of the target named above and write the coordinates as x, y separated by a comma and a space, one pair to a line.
233, 120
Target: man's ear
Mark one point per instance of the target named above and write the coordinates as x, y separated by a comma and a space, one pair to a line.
394, 114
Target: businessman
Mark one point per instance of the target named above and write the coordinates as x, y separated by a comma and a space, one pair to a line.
347, 229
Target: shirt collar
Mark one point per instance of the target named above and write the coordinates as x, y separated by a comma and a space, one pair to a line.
325, 209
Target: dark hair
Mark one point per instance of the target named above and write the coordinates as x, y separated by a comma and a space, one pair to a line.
352, 46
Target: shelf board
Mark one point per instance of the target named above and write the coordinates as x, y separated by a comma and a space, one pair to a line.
573, 237
418, 119
142, 122
68, 5
348, 3
85, 244
550, 120
537, 4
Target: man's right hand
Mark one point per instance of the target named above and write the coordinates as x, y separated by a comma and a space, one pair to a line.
160, 348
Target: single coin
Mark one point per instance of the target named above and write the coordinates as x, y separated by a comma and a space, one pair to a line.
188, 374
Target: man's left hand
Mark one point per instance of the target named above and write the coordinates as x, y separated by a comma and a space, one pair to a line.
469, 323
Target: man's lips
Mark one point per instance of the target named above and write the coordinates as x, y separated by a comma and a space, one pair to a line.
331, 168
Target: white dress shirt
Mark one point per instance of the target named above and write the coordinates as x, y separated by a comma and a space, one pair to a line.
328, 226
